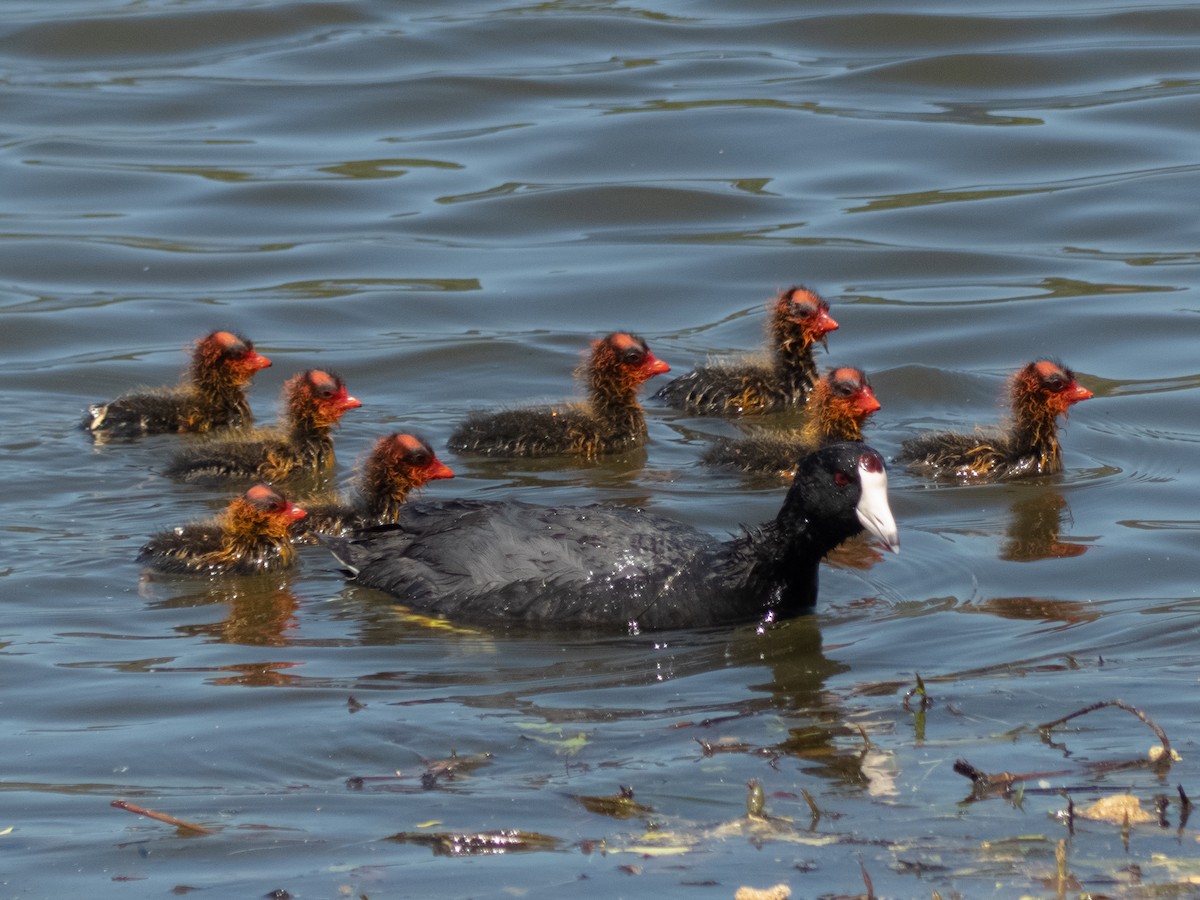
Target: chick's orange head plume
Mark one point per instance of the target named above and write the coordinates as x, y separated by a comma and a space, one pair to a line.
631, 352
273, 502
808, 309
1058, 379
330, 390
231, 352
237, 348
851, 385
415, 454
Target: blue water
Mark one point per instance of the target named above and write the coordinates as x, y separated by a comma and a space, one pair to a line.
446, 205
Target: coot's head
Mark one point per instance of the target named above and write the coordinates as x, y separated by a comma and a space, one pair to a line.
400, 462
228, 357
801, 316
318, 399
839, 491
262, 510
1046, 385
622, 359
848, 390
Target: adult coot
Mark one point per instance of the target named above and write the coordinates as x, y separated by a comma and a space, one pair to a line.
618, 567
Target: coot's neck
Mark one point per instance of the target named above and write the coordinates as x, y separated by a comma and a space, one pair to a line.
217, 390
614, 403
830, 422
764, 576
243, 537
383, 506
774, 566
794, 357
310, 441
1035, 433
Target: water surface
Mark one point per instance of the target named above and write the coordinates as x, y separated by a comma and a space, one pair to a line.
446, 205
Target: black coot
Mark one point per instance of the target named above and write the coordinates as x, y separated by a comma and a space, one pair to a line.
618, 567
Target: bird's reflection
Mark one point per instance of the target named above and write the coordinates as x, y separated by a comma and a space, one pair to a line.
819, 734
1035, 527
261, 609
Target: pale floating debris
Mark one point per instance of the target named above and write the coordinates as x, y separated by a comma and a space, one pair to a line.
1118, 809
1156, 753
778, 892
646, 850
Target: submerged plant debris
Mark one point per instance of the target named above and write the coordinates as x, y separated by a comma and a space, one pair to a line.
618, 806
479, 843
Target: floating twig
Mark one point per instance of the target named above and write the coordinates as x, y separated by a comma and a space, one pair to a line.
867, 881
1167, 756
1161, 804
710, 747
812, 806
161, 817
1001, 783
1070, 812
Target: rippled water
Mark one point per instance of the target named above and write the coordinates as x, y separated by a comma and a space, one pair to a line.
446, 205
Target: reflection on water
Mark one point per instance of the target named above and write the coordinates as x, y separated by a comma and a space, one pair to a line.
1038, 609
261, 609
1034, 527
820, 734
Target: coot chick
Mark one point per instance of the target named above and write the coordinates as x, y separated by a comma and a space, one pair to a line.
252, 535
313, 401
841, 401
212, 396
610, 421
507, 562
798, 318
1040, 392
398, 464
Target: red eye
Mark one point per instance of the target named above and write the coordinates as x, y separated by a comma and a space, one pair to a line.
871, 462
841, 479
